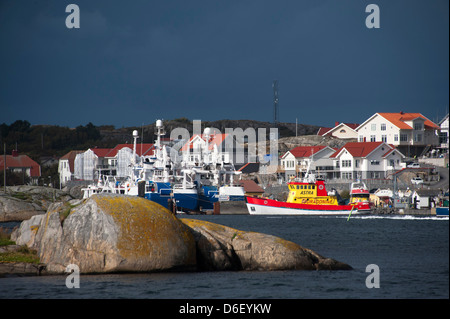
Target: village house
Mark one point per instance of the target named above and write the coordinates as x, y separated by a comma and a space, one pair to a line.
412, 133
204, 147
423, 198
366, 160
109, 161
23, 165
340, 130
120, 157
443, 135
66, 167
295, 163
89, 162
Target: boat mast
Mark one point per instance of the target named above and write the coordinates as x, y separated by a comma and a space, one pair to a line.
135, 137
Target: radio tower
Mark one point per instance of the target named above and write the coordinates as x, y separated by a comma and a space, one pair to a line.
275, 102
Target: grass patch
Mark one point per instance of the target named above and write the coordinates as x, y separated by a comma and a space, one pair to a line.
64, 213
22, 196
5, 237
23, 254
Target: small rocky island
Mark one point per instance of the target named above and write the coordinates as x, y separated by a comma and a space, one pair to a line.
117, 233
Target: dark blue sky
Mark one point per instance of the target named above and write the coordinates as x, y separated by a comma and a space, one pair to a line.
132, 62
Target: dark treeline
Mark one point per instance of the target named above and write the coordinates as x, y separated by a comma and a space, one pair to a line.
39, 141
43, 141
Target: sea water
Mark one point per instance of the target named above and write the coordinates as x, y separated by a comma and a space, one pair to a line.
411, 253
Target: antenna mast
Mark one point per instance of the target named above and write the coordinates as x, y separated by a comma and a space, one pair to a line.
275, 102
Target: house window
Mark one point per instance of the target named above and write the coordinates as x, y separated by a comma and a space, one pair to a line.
373, 127
346, 163
383, 126
443, 137
395, 137
418, 126
360, 138
418, 138
403, 137
384, 138
374, 162
372, 138
357, 163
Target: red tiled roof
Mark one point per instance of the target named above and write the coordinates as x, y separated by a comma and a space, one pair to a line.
351, 125
398, 119
359, 149
21, 161
306, 151
145, 147
71, 158
100, 152
323, 130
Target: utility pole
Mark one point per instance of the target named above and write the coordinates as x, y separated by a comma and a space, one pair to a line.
275, 102
4, 167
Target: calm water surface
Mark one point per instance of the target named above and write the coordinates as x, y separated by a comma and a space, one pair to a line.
412, 254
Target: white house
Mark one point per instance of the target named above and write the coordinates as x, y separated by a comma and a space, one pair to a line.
89, 162
411, 133
66, 167
340, 130
120, 157
200, 148
367, 160
296, 161
443, 135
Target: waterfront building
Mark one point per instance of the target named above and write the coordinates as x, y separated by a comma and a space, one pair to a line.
296, 162
367, 160
66, 167
21, 164
88, 163
343, 131
443, 135
412, 133
202, 148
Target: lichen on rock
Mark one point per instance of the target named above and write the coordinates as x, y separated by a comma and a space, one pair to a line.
115, 233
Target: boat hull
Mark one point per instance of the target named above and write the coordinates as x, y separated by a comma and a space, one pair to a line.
442, 211
265, 206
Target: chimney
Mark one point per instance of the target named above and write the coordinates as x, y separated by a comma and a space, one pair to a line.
336, 123
15, 153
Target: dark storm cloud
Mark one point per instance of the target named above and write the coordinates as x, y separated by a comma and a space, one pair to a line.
132, 62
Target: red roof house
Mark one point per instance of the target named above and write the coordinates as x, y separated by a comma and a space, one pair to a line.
21, 163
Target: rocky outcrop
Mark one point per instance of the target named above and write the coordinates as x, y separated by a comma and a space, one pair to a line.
113, 233
117, 233
22, 202
224, 248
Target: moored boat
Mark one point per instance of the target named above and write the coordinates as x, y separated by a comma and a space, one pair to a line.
359, 193
307, 198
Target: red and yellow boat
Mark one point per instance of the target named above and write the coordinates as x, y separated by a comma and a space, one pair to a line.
308, 198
